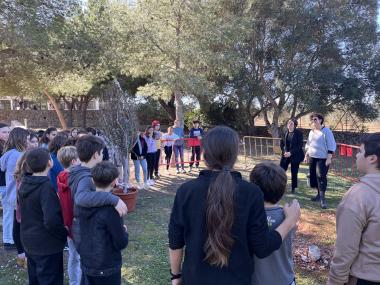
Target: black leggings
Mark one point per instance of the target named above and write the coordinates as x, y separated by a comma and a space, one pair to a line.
157, 161
195, 155
16, 235
168, 155
318, 173
150, 160
294, 166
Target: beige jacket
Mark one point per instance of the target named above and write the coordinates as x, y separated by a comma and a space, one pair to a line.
357, 248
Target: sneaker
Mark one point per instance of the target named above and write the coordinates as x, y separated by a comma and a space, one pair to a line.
191, 169
183, 171
140, 185
150, 182
128, 185
9, 246
146, 186
157, 175
177, 171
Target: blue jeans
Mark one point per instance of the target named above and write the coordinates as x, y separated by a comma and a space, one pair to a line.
144, 167
73, 264
8, 216
2, 190
178, 153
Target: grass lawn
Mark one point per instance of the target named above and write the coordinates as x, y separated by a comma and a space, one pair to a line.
146, 261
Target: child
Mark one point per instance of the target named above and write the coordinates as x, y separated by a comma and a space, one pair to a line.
4, 134
157, 136
90, 153
105, 235
196, 133
54, 146
168, 141
138, 156
20, 172
68, 157
151, 153
33, 141
43, 234
48, 136
14, 147
271, 179
179, 145
357, 249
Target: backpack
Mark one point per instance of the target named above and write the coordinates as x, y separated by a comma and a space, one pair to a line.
64, 194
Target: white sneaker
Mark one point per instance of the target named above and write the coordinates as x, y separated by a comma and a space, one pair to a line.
183, 171
191, 169
146, 186
150, 182
129, 185
177, 171
140, 186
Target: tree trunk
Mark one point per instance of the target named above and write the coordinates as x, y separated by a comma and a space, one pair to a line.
126, 171
169, 107
58, 111
179, 108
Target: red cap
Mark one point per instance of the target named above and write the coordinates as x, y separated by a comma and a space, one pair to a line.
155, 123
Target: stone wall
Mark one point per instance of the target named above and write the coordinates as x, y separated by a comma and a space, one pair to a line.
45, 118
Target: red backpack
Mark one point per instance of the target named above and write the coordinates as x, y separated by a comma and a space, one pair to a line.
64, 194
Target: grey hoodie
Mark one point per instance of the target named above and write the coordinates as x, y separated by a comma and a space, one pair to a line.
357, 248
8, 164
84, 195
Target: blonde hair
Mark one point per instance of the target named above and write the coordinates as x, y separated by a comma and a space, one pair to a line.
21, 168
66, 155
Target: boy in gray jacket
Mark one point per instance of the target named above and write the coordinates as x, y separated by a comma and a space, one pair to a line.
271, 179
90, 153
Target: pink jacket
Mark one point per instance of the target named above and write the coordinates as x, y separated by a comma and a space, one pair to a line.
357, 248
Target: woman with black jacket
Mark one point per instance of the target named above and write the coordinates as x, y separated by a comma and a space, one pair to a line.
138, 156
292, 152
220, 219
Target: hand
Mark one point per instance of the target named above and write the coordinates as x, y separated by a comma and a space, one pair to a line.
287, 154
125, 227
307, 159
293, 212
121, 208
177, 281
328, 161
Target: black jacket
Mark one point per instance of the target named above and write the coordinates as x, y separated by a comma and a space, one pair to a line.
102, 238
187, 228
296, 146
42, 229
135, 152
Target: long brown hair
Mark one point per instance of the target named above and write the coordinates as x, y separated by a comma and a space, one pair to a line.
21, 168
18, 139
221, 146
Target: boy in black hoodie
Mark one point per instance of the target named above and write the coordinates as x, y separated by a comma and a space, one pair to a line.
105, 235
43, 234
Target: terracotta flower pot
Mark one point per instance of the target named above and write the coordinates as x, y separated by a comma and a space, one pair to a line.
128, 198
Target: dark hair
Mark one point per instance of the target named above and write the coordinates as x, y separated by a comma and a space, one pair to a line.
57, 142
104, 173
82, 131
319, 116
87, 146
221, 145
21, 168
3, 125
2, 143
196, 122
65, 133
91, 130
372, 146
271, 179
48, 131
71, 142
18, 139
295, 122
32, 135
147, 133
37, 159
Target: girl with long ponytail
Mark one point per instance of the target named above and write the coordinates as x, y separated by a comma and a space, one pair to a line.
220, 219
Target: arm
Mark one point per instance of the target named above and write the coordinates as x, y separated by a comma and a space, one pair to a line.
350, 226
330, 141
52, 214
175, 257
86, 197
116, 228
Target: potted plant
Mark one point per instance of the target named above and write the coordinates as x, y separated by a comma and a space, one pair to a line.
119, 124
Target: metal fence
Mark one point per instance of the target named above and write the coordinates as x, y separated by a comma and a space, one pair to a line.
266, 148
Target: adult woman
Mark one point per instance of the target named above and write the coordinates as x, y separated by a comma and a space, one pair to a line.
320, 147
33, 141
220, 218
48, 136
292, 152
